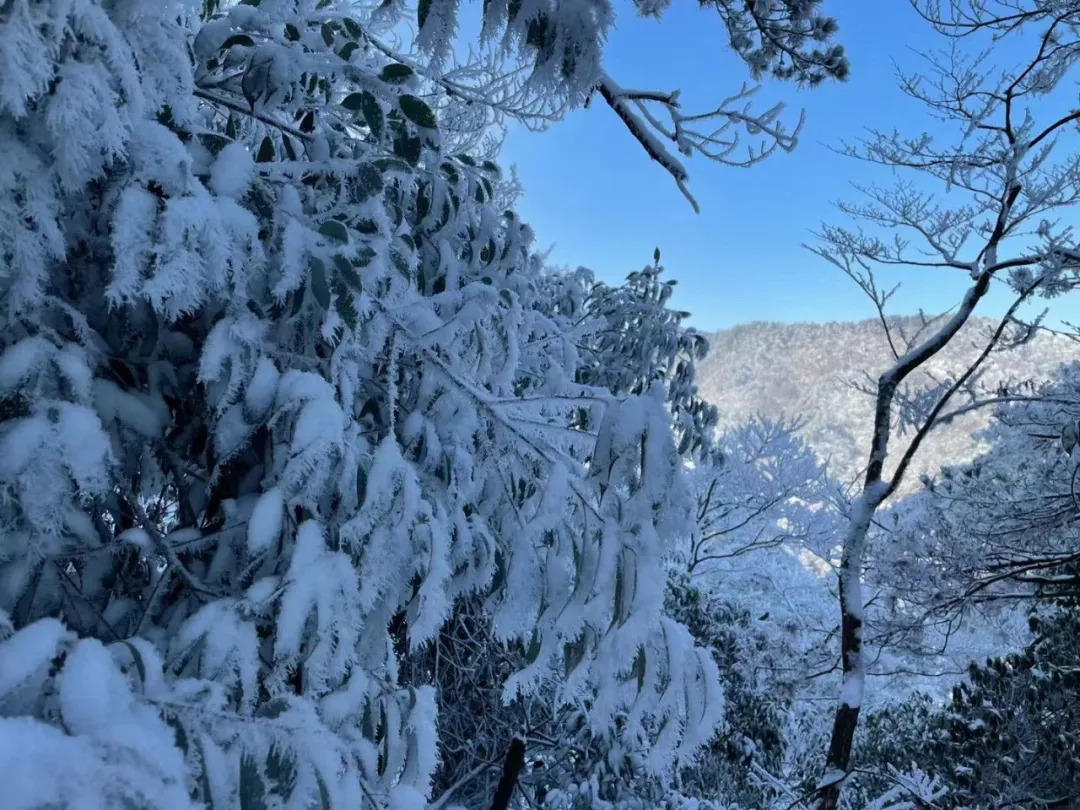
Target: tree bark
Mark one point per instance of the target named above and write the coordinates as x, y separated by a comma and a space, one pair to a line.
876, 489
515, 759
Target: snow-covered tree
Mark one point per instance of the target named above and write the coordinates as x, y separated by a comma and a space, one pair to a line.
532, 62
1008, 177
280, 388
627, 339
632, 339
1002, 527
1007, 736
763, 488
752, 585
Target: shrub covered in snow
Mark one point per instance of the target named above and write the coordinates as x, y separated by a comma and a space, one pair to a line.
280, 386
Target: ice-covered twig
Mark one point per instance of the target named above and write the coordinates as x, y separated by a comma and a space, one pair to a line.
719, 144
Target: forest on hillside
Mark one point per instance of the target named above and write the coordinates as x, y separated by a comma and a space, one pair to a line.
320, 489
823, 375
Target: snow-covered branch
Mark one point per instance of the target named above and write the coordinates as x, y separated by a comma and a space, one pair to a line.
713, 134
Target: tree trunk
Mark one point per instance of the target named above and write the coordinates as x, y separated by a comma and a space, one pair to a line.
515, 759
838, 759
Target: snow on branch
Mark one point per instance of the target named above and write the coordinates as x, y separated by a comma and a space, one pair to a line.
713, 134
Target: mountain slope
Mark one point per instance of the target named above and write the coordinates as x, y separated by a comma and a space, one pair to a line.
811, 371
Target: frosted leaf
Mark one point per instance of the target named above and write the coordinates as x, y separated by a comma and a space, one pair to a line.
232, 171
311, 503
84, 774
85, 102
127, 408
265, 524
261, 390
136, 537
229, 648
28, 654
22, 359
132, 235
321, 589
92, 691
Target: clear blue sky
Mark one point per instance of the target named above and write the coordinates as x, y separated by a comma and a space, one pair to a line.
591, 191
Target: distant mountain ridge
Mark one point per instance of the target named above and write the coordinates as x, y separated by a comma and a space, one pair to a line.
807, 370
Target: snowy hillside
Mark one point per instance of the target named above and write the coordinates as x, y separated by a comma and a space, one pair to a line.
816, 371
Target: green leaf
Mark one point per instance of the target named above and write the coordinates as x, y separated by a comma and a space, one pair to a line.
353, 101
255, 309
573, 652
343, 301
639, 668
418, 112
400, 264
423, 8
335, 231
506, 296
307, 123
347, 272
347, 51
373, 113
319, 287
408, 147
491, 168
237, 39
450, 172
273, 708
353, 28
327, 35
180, 732
297, 300
534, 649
324, 792
266, 151
498, 579
369, 179
286, 142
625, 603
684, 444
423, 201
292, 33
204, 777
252, 788
139, 664
396, 73
281, 771
213, 141
391, 165
618, 593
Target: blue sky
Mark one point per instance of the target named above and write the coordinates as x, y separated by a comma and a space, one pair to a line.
592, 193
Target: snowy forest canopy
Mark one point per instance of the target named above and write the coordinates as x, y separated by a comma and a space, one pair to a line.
319, 488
